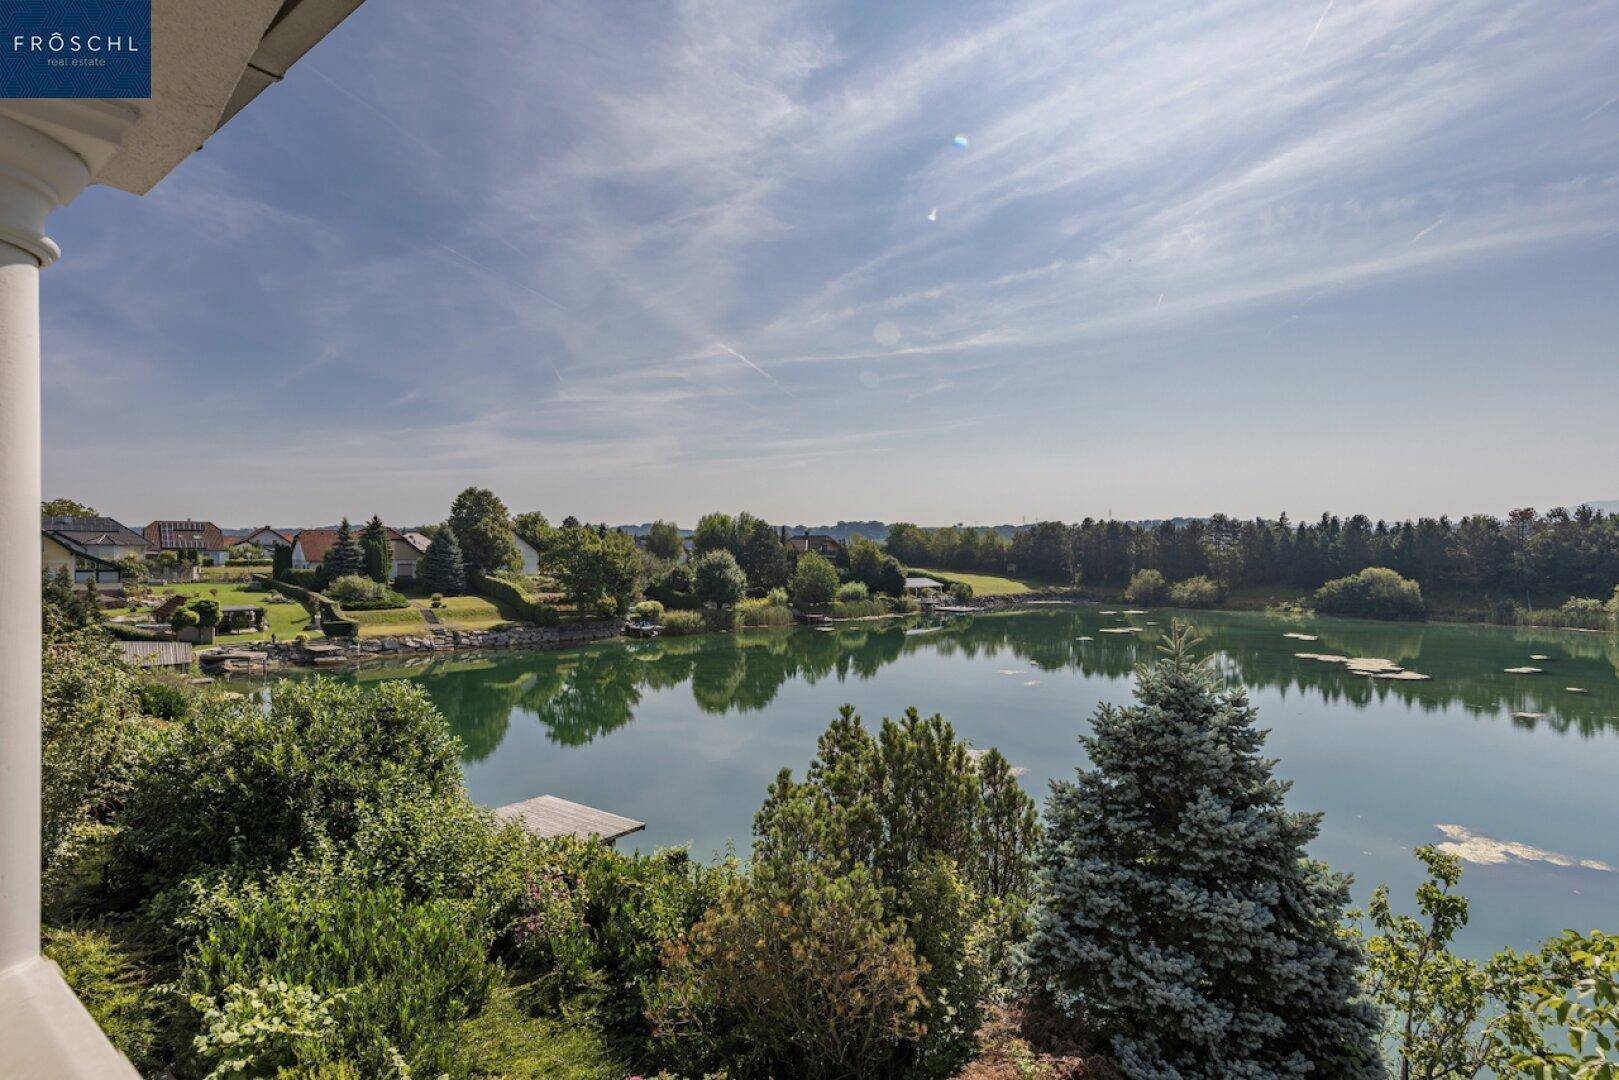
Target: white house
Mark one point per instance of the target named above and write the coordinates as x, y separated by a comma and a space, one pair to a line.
265, 539
99, 536
209, 61
530, 554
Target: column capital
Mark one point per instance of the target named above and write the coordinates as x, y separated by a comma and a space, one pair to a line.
49, 152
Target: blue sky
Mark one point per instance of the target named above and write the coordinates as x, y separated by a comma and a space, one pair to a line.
631, 260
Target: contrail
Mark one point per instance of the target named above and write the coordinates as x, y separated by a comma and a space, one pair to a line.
1317, 29
1428, 230
496, 274
1599, 108
754, 366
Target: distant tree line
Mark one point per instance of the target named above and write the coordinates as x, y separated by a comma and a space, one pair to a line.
1563, 552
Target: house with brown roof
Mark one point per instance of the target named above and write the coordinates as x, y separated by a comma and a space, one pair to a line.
816, 542
310, 546
265, 539
202, 537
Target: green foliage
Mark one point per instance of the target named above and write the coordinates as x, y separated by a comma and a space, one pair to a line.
65, 508
234, 783
762, 612
859, 609
484, 530
878, 571
112, 986
680, 623
672, 588
1177, 918
794, 972
374, 977
164, 700
377, 549
596, 572
650, 610
1196, 592
909, 837
1453, 1017
663, 540
852, 591
1146, 587
357, 592
961, 591
718, 581
593, 923
185, 618
344, 557
64, 609
442, 569
1373, 593
815, 581
263, 1029
534, 530
280, 560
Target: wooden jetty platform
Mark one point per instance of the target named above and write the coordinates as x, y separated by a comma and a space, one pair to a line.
159, 654
547, 815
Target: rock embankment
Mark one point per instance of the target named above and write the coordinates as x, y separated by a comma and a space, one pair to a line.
436, 639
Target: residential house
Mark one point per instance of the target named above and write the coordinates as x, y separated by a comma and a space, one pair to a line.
530, 554
202, 537
265, 539
816, 542
99, 536
58, 552
310, 546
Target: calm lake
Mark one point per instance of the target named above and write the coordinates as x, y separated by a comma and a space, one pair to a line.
686, 734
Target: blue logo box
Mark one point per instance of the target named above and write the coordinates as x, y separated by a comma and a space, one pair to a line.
75, 48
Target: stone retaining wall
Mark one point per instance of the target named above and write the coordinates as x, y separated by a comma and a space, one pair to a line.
436, 639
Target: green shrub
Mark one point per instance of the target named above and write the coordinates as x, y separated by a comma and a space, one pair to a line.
880, 874
268, 1029
650, 610
93, 740
112, 987
814, 582
904, 605
1196, 592
595, 922
207, 611
853, 592
395, 976
235, 782
752, 987
1146, 587
763, 613
961, 591
184, 618
717, 580
1374, 593
777, 597
859, 609
164, 700
678, 623
360, 593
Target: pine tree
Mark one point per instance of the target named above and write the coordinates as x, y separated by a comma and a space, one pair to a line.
1176, 915
374, 546
442, 570
344, 557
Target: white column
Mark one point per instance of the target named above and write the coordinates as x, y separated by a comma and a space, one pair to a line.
44, 1031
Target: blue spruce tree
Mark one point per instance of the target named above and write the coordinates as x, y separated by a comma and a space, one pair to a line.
1176, 917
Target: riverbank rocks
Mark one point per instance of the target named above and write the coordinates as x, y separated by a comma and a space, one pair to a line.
438, 639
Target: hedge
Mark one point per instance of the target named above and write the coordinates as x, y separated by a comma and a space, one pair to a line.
516, 599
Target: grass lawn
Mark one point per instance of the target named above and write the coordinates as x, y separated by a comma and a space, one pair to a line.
391, 623
466, 612
983, 584
284, 620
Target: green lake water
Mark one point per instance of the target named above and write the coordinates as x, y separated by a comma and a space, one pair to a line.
686, 734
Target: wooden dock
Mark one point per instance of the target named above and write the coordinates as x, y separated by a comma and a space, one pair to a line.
548, 816
165, 654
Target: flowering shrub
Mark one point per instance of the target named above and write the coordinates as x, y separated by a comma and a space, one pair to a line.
261, 1029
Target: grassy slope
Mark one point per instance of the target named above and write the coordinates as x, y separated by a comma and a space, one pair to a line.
983, 584
505, 1041
285, 620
